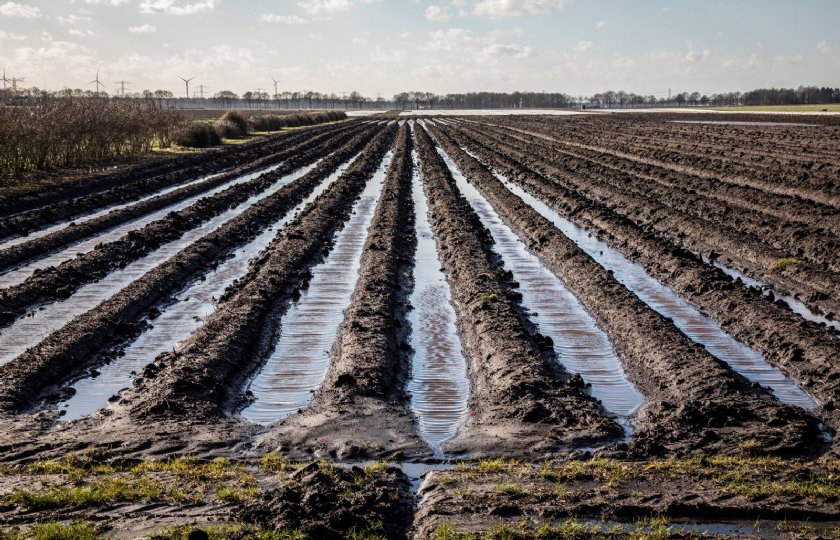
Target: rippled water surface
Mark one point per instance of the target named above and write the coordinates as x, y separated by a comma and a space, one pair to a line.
302, 354
439, 385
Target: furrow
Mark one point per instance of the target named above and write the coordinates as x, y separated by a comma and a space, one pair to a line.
61, 281
695, 399
75, 346
521, 400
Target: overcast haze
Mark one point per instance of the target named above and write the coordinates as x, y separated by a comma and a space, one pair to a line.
386, 46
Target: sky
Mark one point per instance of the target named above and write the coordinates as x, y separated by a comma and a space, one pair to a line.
579, 47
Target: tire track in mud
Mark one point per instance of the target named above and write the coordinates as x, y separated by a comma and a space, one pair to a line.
59, 282
803, 350
521, 401
45, 205
78, 344
361, 409
821, 287
20, 254
694, 399
204, 380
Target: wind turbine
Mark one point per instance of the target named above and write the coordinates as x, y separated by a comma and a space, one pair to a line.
187, 82
96, 81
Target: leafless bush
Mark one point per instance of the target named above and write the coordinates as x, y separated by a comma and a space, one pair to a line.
237, 120
227, 130
46, 132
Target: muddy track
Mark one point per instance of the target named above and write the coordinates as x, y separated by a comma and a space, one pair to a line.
695, 399
204, 379
521, 399
791, 226
362, 409
819, 288
803, 350
19, 254
104, 189
78, 345
61, 281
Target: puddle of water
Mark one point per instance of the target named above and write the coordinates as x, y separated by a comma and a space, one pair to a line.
302, 354
662, 299
439, 385
177, 321
19, 275
796, 305
580, 345
28, 331
416, 472
81, 219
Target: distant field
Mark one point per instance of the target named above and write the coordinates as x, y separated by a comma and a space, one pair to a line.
781, 108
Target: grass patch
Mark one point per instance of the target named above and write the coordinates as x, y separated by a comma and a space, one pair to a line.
225, 532
782, 263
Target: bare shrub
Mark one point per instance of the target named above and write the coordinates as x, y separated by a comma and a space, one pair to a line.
237, 120
45, 132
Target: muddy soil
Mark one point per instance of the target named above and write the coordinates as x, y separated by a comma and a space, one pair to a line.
61, 281
18, 254
694, 399
204, 378
150, 498
659, 498
362, 407
804, 350
522, 400
90, 338
816, 284
26, 208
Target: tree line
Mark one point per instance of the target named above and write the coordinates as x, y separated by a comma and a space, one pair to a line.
227, 99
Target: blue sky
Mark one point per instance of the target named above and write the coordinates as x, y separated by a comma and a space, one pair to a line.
385, 46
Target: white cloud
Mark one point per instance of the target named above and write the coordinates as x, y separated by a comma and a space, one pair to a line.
584, 45
826, 48
178, 7
11, 36
436, 14
328, 7
499, 50
25, 11
283, 19
497, 9
80, 33
142, 29
71, 20
599, 24
101, 2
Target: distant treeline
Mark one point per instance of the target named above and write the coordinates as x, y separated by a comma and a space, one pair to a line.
227, 99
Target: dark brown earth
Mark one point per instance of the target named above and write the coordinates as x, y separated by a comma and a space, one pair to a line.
521, 400
362, 407
662, 193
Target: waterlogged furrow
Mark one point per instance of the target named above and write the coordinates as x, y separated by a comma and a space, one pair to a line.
439, 385
29, 331
662, 299
49, 230
580, 345
177, 321
301, 355
19, 275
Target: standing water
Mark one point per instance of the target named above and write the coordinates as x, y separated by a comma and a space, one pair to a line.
177, 321
662, 299
439, 386
28, 331
302, 354
580, 345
